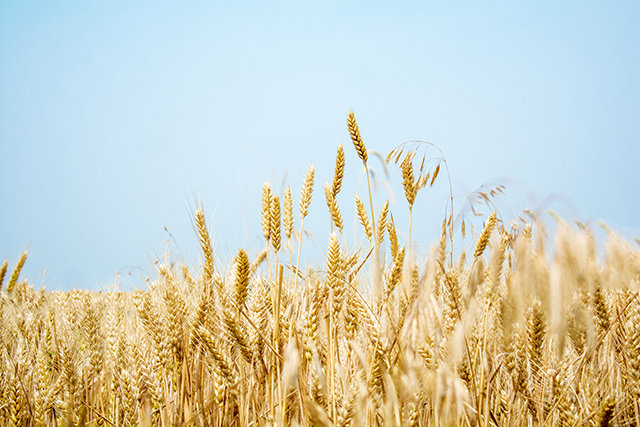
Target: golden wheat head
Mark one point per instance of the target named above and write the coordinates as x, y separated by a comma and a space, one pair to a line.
354, 131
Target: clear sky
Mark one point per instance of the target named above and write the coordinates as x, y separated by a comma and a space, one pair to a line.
115, 117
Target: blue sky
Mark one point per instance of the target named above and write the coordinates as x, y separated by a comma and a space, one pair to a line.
115, 117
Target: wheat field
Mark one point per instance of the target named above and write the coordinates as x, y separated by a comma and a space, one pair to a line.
521, 328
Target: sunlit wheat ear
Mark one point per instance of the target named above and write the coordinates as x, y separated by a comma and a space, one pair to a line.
16, 405
259, 260
237, 335
519, 348
362, 216
13, 280
287, 219
128, 398
453, 300
528, 231
495, 269
577, 328
334, 268
560, 395
351, 316
536, 334
3, 272
338, 174
601, 311
396, 272
346, 413
243, 270
354, 131
483, 240
334, 210
266, 211
435, 175
306, 193
319, 293
411, 295
275, 222
221, 360
423, 180
393, 237
382, 222
408, 180
207, 249
176, 310
442, 248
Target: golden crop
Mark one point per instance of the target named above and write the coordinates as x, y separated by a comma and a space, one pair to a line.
514, 331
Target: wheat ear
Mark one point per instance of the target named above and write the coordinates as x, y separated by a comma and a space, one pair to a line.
536, 334
396, 271
307, 192
266, 212
483, 240
207, 250
335, 286
287, 219
334, 210
3, 272
16, 272
393, 237
408, 180
382, 222
339, 172
354, 131
601, 311
275, 223
435, 175
362, 216
243, 270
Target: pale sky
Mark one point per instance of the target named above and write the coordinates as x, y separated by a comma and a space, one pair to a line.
116, 117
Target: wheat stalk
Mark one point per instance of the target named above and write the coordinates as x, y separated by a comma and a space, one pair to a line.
305, 201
